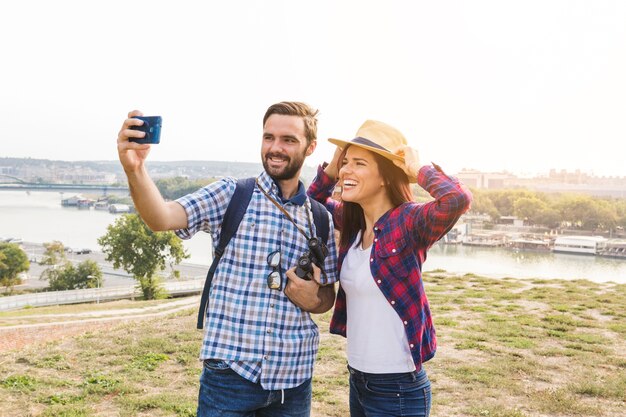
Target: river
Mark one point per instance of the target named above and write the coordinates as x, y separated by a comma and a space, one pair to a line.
38, 217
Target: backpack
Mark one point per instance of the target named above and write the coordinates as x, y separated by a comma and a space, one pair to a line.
233, 216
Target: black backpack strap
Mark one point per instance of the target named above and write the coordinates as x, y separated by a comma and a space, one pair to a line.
320, 218
233, 216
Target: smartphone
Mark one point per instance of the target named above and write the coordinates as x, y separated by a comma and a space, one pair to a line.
151, 127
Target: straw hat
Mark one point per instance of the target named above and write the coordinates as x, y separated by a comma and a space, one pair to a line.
380, 138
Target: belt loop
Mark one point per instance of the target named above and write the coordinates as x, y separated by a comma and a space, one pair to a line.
282, 396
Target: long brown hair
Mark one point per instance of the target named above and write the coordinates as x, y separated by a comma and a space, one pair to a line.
398, 190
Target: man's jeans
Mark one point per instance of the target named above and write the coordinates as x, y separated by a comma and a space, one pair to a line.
389, 395
224, 393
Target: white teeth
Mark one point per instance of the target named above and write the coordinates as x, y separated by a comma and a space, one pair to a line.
349, 183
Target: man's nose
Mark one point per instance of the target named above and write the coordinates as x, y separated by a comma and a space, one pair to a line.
276, 147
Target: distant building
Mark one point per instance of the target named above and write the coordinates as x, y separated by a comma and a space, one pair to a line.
511, 221
485, 180
556, 181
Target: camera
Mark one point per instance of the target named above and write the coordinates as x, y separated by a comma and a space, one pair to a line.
315, 255
151, 127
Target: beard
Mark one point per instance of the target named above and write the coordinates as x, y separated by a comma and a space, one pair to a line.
289, 171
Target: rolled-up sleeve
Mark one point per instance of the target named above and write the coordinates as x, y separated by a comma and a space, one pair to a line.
205, 208
452, 199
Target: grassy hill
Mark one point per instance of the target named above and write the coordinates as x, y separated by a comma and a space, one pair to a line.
507, 348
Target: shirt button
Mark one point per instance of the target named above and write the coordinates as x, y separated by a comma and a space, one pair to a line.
376, 240
406, 322
379, 281
272, 305
376, 229
251, 225
393, 250
266, 357
269, 331
393, 302
371, 259
412, 345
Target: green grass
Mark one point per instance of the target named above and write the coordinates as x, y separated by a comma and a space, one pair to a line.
507, 348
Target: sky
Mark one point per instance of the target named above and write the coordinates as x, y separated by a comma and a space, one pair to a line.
521, 86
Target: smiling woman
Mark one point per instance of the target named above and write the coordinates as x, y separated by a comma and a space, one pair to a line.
381, 305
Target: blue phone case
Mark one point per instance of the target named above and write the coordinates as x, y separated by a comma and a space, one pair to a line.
152, 128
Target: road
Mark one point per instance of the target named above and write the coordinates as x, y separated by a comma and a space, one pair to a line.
111, 277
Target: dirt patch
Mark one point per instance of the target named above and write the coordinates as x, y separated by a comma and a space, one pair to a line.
18, 338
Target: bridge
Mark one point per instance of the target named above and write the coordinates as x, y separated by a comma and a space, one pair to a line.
19, 184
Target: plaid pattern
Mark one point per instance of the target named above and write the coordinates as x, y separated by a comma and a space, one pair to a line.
264, 336
402, 237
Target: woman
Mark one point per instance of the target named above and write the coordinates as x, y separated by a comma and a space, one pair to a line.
381, 306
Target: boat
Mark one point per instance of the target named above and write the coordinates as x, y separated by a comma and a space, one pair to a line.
614, 249
529, 244
85, 203
71, 201
15, 240
586, 245
119, 208
101, 205
485, 240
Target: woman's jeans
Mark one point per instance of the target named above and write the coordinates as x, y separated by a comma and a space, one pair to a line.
224, 393
389, 395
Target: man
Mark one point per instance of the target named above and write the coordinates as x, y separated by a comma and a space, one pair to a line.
260, 343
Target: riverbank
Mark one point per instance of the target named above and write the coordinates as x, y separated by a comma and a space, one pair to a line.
507, 348
39, 217
111, 277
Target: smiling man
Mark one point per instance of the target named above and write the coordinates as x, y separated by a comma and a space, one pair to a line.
260, 342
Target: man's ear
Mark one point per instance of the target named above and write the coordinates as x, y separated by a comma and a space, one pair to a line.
311, 148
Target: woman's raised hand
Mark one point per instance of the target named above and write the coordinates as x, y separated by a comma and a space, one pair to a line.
411, 163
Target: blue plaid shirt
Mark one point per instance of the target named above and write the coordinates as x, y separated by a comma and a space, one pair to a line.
261, 334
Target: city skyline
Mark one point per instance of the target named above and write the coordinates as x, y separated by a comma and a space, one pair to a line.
522, 87
469, 169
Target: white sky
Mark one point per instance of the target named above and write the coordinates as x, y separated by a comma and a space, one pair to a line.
518, 85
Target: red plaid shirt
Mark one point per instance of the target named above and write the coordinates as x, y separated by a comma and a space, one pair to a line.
401, 238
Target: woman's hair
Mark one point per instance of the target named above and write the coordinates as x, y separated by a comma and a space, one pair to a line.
398, 190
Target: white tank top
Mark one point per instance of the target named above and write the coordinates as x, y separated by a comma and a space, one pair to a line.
377, 342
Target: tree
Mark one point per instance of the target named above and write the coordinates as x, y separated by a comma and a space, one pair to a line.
13, 261
482, 204
54, 253
173, 188
548, 217
86, 274
130, 244
528, 208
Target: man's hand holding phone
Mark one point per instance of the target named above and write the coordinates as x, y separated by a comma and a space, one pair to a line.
134, 139
151, 128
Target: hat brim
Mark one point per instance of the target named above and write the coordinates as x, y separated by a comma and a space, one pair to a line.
343, 143
386, 154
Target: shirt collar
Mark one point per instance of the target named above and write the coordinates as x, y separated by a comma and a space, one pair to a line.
270, 186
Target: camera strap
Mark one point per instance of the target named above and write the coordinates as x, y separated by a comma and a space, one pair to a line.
288, 216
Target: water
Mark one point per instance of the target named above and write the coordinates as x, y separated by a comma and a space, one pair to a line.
38, 217
499, 262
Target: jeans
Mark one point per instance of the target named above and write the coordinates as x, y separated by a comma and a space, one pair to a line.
224, 393
389, 395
